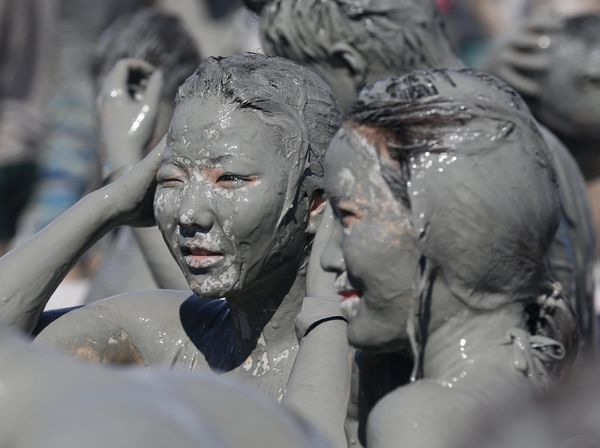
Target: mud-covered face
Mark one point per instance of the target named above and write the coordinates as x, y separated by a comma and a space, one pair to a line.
221, 189
373, 246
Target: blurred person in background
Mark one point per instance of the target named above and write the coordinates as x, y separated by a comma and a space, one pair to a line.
68, 166
553, 60
475, 24
220, 27
26, 51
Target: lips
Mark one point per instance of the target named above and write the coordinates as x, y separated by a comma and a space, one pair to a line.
350, 295
199, 257
343, 287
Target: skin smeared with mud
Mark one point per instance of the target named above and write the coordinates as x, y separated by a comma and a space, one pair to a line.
446, 199
76, 404
397, 38
566, 418
236, 177
194, 186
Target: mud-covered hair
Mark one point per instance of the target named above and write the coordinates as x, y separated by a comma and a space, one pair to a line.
283, 94
156, 37
403, 36
479, 179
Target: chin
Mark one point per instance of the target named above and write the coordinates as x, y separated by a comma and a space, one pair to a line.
373, 336
213, 286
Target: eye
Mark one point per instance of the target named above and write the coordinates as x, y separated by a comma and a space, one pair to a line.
170, 182
348, 214
170, 177
229, 180
347, 217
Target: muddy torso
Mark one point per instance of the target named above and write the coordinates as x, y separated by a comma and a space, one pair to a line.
175, 330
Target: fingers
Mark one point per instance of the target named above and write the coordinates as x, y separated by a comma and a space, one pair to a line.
526, 61
138, 64
520, 82
117, 77
545, 24
154, 89
537, 34
524, 57
153, 159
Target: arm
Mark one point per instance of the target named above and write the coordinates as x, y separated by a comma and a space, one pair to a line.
30, 273
319, 385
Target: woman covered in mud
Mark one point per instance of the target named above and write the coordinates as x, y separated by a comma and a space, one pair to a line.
446, 203
237, 201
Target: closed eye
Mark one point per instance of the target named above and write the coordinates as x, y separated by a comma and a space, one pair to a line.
347, 217
170, 183
229, 180
348, 214
170, 177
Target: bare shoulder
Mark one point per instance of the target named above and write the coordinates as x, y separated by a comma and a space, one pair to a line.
412, 414
116, 330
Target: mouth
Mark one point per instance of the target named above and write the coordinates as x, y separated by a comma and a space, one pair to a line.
350, 296
198, 257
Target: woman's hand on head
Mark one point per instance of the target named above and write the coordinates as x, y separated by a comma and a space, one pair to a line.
321, 301
131, 195
128, 106
320, 283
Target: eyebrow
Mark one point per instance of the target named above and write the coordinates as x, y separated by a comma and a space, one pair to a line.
184, 161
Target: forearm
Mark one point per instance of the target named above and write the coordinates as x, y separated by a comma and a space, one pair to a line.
319, 386
163, 267
30, 273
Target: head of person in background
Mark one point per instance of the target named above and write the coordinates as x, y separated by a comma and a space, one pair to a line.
161, 41
355, 43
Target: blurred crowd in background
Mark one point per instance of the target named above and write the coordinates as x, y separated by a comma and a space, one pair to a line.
49, 51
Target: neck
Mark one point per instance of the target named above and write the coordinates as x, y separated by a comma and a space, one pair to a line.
467, 335
269, 307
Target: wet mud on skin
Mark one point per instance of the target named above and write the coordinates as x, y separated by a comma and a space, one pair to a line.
131, 407
446, 244
236, 182
292, 28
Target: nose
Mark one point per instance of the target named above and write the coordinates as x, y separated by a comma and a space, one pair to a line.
332, 259
195, 214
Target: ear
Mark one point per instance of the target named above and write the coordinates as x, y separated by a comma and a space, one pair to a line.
317, 207
354, 62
